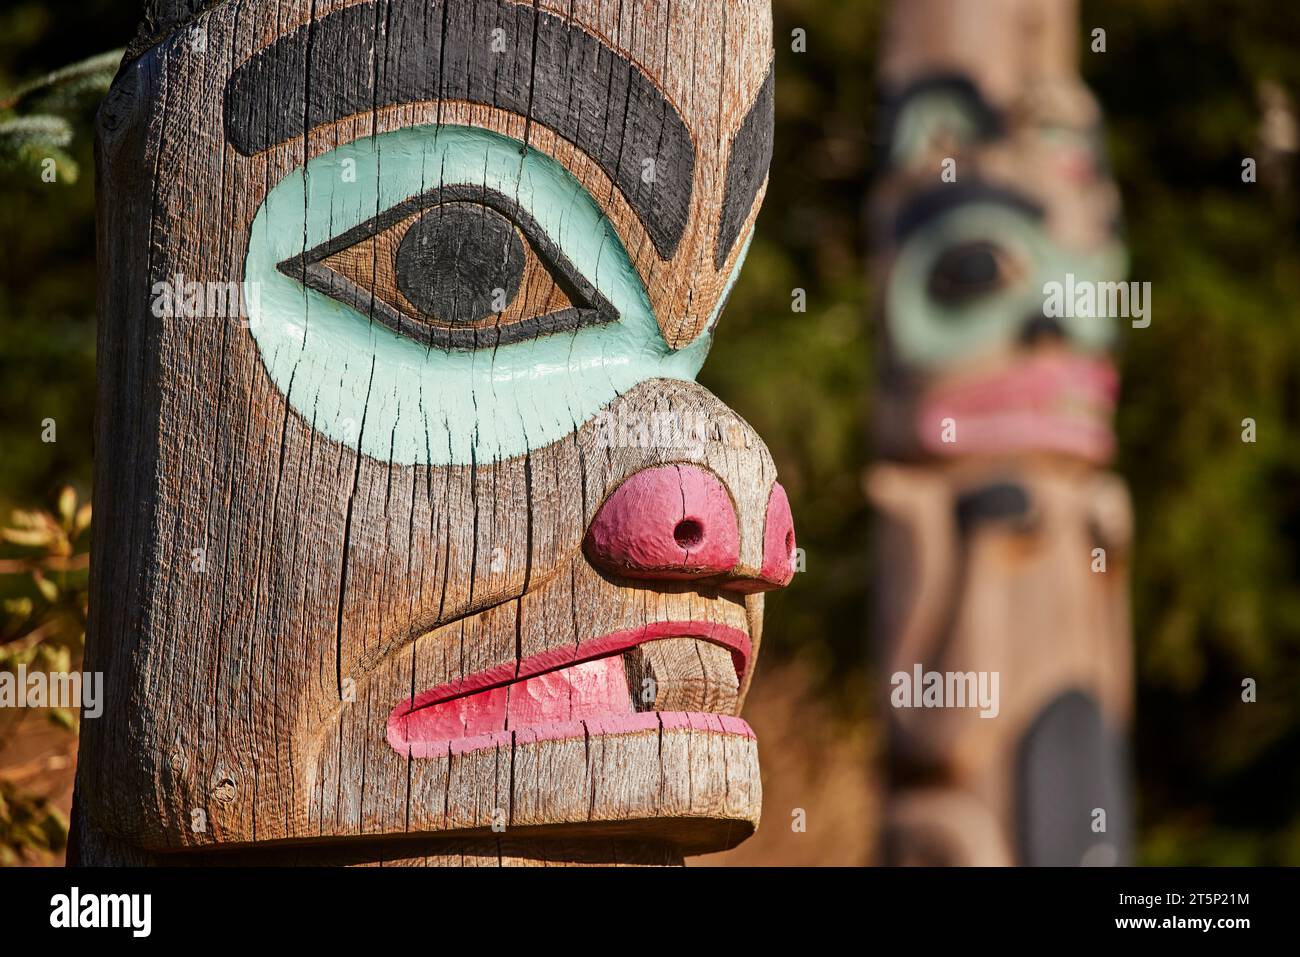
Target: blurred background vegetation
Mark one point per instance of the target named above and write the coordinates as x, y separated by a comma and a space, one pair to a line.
1189, 90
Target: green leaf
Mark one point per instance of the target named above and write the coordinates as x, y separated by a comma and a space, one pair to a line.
67, 505
30, 537
49, 591
88, 77
44, 129
82, 520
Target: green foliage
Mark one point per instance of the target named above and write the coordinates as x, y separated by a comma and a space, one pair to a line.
29, 826
67, 88
46, 368
43, 581
47, 236
1215, 586
29, 143
35, 133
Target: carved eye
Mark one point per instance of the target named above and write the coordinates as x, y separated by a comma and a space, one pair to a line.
455, 268
969, 271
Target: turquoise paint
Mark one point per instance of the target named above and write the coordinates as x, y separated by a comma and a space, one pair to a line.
394, 399
931, 334
928, 118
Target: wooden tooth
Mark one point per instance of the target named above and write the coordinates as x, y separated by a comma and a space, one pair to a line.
682, 674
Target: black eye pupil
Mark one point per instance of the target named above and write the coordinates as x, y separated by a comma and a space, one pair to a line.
977, 267
460, 262
965, 271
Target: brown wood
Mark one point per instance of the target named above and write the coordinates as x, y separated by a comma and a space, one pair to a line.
250, 685
682, 674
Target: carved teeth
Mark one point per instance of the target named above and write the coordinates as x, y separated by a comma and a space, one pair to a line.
682, 674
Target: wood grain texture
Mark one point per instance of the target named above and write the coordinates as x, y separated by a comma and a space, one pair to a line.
682, 674
264, 597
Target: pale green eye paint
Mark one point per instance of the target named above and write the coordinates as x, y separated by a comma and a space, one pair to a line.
925, 121
396, 400
930, 334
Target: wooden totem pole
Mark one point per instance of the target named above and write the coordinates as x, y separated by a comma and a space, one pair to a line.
1003, 544
433, 551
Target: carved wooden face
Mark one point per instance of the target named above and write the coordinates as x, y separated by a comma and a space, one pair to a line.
991, 195
994, 573
443, 536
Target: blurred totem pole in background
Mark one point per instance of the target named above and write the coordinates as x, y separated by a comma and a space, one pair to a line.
1002, 611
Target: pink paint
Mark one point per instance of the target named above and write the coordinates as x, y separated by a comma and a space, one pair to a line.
778, 539
584, 690
778, 548
672, 522
1052, 403
634, 723
555, 694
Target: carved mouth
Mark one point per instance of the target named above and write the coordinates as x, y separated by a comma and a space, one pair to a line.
667, 674
1052, 403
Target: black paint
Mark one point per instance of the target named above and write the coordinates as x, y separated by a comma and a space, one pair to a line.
1036, 328
928, 206
995, 502
550, 71
1069, 764
747, 165
589, 307
965, 271
455, 257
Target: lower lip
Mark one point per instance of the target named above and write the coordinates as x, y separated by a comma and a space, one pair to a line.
563, 693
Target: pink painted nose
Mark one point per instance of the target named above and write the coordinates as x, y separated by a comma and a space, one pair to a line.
778, 539
677, 522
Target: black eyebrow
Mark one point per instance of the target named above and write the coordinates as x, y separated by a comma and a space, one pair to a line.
551, 71
747, 165
934, 202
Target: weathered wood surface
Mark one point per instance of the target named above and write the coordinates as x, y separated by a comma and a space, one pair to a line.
994, 422
273, 580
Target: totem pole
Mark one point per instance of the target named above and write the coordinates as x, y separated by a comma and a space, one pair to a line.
1001, 599
433, 552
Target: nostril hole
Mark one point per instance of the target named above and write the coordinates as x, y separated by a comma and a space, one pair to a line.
688, 533
789, 543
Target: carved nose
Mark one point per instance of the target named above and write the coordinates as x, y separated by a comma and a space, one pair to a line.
1038, 327
778, 540
677, 522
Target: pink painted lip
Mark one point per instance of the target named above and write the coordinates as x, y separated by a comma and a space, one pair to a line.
1052, 403
562, 693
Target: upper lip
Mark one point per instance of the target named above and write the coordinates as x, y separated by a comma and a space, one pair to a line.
617, 642
1050, 402
1036, 384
